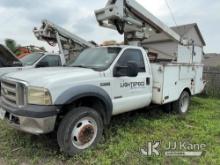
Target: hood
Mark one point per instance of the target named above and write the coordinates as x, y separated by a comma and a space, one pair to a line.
48, 76
7, 58
6, 70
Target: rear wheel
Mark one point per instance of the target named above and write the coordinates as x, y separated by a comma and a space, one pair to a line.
181, 106
80, 129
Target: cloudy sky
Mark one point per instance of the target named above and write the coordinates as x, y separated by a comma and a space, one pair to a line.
19, 17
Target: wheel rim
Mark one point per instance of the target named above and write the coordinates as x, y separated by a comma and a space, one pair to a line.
84, 133
184, 103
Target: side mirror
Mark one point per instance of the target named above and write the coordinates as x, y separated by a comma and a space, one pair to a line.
42, 64
131, 70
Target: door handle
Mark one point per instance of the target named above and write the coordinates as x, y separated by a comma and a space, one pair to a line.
148, 81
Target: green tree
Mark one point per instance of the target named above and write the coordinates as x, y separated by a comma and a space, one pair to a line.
11, 44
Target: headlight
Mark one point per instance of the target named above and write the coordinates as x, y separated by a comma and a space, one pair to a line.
39, 96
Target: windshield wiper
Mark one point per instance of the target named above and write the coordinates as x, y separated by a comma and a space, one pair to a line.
83, 66
80, 66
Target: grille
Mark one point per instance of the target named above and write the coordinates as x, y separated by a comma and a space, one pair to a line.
13, 93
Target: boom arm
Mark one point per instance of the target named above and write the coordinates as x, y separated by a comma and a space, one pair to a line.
128, 17
69, 44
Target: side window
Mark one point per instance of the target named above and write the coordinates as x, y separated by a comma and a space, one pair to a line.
132, 55
52, 60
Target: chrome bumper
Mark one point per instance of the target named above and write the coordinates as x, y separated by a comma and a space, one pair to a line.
35, 126
31, 119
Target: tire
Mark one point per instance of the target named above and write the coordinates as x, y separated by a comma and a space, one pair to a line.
80, 129
181, 106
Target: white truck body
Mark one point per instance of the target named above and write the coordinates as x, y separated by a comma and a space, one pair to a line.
166, 82
73, 86
50, 78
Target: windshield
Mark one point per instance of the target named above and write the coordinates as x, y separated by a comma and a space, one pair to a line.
31, 59
96, 58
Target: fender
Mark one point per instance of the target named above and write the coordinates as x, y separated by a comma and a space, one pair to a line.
78, 92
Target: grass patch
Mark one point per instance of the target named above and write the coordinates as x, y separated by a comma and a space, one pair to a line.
124, 138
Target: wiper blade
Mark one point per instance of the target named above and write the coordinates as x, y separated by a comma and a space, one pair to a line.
80, 66
83, 66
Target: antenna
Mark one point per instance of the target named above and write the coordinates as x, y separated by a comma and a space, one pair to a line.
171, 12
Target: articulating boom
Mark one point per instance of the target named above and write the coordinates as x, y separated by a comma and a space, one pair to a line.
69, 44
131, 19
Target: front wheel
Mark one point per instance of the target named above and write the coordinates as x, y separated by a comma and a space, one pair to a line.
80, 129
181, 106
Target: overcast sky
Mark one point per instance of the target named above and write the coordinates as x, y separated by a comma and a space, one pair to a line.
19, 17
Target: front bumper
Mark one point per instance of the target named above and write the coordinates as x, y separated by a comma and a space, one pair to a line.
32, 119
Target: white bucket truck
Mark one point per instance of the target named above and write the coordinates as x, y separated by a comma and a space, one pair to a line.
77, 101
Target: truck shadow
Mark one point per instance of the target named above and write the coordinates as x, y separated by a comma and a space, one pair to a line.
126, 119
150, 114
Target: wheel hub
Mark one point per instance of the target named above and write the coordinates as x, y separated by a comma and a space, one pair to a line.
84, 133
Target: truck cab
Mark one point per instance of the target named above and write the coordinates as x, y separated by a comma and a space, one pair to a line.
9, 62
38, 60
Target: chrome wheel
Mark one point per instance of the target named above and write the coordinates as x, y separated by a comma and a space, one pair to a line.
84, 133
